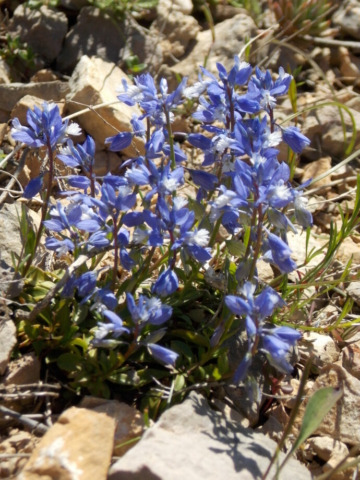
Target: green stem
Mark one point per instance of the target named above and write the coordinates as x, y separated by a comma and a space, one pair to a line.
215, 232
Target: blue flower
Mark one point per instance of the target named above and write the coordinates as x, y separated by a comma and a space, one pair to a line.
79, 156
162, 180
61, 247
280, 254
275, 342
115, 327
33, 187
63, 220
120, 141
263, 89
46, 128
86, 283
162, 354
166, 284
148, 310
256, 309
295, 139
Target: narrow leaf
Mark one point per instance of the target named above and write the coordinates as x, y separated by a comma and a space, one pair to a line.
319, 405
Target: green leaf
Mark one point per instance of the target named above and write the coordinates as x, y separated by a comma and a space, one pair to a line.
137, 378
318, 406
193, 337
180, 383
223, 363
183, 348
68, 362
236, 248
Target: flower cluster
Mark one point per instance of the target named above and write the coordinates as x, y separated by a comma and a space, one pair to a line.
150, 226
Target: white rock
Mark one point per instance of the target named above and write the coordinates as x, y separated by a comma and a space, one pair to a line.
350, 359
29, 101
7, 342
343, 421
192, 442
354, 291
98, 33
10, 237
327, 447
323, 348
332, 452
42, 29
230, 36
326, 126
129, 422
347, 17
94, 82
183, 6
23, 370
77, 447
177, 29
11, 93
4, 72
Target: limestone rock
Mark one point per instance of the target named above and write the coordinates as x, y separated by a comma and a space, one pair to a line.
348, 249
347, 17
24, 370
332, 452
178, 30
230, 37
192, 441
230, 413
29, 101
4, 72
353, 290
93, 82
326, 447
44, 75
49, 91
350, 359
183, 6
97, 33
349, 66
343, 420
129, 423
315, 169
297, 243
78, 446
272, 428
43, 29
106, 162
7, 342
325, 126
323, 348
10, 238
295, 384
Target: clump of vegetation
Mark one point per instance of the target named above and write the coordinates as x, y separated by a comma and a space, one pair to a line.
119, 8
15, 52
309, 16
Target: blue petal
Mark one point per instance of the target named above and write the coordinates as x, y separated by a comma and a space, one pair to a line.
166, 284
33, 187
162, 354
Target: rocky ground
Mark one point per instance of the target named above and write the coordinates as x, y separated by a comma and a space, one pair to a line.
81, 56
